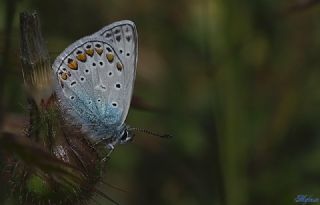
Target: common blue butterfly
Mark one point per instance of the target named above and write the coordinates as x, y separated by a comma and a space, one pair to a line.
94, 82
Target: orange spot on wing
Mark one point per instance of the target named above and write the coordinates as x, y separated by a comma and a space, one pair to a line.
89, 52
110, 57
72, 64
99, 50
64, 76
82, 57
119, 66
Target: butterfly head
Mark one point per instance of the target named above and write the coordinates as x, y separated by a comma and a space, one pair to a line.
126, 135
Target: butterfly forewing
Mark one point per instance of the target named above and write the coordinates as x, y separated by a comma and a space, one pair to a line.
95, 78
122, 35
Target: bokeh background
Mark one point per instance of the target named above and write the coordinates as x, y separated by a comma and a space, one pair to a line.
235, 82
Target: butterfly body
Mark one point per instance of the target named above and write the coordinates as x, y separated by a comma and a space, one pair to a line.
95, 78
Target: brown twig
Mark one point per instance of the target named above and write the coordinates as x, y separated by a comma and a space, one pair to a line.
34, 53
33, 48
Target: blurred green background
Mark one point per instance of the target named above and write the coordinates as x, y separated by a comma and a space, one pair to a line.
238, 84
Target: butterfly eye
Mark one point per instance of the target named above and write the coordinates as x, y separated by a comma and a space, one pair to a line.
124, 136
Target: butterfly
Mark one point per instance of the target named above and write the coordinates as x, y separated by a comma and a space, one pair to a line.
94, 82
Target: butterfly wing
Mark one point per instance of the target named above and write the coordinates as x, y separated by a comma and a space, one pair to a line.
122, 35
95, 78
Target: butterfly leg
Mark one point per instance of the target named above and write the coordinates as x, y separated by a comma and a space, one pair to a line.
110, 147
98, 142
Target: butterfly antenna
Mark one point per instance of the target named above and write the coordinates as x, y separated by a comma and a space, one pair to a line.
167, 136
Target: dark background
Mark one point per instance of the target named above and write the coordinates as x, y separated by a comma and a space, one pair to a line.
237, 83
